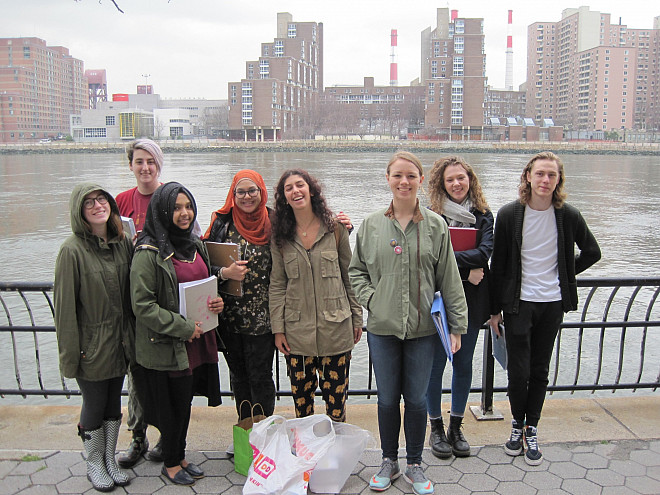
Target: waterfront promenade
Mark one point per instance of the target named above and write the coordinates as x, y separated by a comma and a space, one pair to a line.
591, 446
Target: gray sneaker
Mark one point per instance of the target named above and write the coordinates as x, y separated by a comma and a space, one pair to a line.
416, 477
389, 471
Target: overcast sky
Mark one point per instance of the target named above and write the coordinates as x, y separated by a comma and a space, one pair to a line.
192, 48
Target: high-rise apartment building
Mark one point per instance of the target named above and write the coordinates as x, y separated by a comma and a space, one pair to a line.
586, 73
280, 91
453, 69
40, 86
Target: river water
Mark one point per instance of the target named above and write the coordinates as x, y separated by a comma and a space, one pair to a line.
617, 195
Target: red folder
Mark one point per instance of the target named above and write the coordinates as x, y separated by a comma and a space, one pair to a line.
463, 238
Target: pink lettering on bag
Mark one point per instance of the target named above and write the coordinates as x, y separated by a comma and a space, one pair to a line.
264, 466
300, 448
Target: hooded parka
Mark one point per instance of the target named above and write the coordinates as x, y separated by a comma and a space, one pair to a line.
93, 317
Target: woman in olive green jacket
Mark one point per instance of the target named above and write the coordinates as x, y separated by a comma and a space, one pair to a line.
94, 323
314, 315
174, 355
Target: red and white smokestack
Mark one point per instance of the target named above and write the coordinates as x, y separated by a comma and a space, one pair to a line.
508, 77
454, 15
394, 76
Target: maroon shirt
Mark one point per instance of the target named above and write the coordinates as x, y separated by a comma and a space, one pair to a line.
133, 204
204, 349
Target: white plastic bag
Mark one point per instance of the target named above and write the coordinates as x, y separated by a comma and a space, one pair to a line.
285, 453
335, 467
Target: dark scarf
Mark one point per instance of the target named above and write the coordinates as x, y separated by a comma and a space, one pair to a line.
159, 230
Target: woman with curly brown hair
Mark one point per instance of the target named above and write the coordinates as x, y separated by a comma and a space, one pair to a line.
314, 315
456, 195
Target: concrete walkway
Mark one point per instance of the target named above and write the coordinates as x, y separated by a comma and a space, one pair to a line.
599, 446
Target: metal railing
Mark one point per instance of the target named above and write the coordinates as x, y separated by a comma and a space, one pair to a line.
611, 343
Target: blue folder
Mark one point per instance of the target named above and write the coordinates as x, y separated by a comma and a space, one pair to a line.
439, 316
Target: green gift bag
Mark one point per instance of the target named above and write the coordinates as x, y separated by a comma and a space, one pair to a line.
241, 432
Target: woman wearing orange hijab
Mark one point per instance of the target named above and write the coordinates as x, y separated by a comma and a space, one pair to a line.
245, 322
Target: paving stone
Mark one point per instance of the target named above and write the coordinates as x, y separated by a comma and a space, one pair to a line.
6, 467
581, 449
354, 484
581, 487
29, 467
79, 469
40, 490
372, 457
617, 490
551, 491
567, 470
65, 459
171, 489
145, 484
655, 446
520, 463
505, 472
213, 485
14, 484
605, 449
147, 468
605, 477
643, 484
653, 472
441, 474
542, 479
493, 455
478, 481
470, 465
554, 453
74, 484
431, 460
510, 488
444, 489
233, 490
217, 467
590, 460
215, 454
627, 468
645, 457
50, 475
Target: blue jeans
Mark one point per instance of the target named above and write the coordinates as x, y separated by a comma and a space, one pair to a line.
402, 367
461, 378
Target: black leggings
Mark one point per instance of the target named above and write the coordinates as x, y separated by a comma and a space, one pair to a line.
101, 400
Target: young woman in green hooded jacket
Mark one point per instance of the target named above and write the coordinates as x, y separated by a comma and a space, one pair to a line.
95, 325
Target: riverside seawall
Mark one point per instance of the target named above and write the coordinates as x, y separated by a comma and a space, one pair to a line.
377, 146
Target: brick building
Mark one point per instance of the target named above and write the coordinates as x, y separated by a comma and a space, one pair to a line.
588, 73
40, 86
280, 90
453, 70
371, 110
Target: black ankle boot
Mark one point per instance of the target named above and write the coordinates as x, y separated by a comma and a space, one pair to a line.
459, 445
439, 445
138, 447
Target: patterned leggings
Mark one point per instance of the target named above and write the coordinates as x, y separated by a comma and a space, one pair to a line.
306, 372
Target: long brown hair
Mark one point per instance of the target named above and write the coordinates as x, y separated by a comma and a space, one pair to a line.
284, 226
439, 193
525, 188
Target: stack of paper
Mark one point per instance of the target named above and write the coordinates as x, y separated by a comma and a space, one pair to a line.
193, 301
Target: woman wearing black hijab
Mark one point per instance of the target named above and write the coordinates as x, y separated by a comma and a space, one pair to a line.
176, 357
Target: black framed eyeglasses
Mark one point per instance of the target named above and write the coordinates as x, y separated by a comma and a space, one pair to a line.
252, 192
89, 202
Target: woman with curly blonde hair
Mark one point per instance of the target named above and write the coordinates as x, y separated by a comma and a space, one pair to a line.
456, 195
